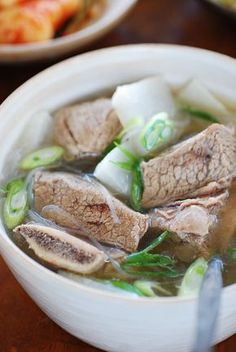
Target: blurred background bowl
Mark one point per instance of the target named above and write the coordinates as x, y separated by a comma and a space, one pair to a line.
115, 11
106, 320
223, 8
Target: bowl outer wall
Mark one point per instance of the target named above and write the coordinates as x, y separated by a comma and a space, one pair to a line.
106, 320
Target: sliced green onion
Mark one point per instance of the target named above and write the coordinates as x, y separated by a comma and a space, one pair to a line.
157, 241
126, 286
193, 277
148, 287
162, 265
110, 147
203, 115
137, 187
137, 181
16, 204
42, 157
130, 156
148, 266
13, 185
123, 165
132, 165
157, 132
144, 256
147, 258
154, 274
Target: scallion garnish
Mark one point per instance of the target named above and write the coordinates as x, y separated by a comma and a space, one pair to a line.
148, 288
193, 277
129, 155
153, 274
162, 265
42, 157
203, 115
144, 258
137, 187
133, 166
160, 239
157, 132
127, 287
123, 165
16, 203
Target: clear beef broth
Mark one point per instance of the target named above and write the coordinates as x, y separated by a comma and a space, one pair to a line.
222, 237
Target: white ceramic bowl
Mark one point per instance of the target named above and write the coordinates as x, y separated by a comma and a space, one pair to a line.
114, 13
106, 320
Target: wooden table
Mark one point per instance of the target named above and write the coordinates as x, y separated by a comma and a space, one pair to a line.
23, 327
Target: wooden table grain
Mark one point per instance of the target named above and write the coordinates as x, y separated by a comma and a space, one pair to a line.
23, 326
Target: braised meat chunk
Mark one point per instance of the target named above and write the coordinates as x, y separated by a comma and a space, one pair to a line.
190, 219
207, 158
87, 129
74, 201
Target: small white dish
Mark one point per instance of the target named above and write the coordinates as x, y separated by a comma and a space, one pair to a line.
114, 13
104, 319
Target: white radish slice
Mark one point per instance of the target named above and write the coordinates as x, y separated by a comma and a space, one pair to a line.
37, 132
196, 95
143, 99
111, 175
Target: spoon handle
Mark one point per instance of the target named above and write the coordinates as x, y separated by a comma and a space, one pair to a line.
208, 305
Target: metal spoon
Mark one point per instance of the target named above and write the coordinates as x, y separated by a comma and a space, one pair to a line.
208, 305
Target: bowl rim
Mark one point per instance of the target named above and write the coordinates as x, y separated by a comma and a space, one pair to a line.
53, 69
107, 20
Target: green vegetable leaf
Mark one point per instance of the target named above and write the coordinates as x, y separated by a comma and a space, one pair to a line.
157, 241
157, 132
123, 165
16, 204
203, 115
42, 157
12, 185
154, 274
161, 265
193, 277
127, 287
133, 165
144, 258
111, 146
148, 287
137, 187
130, 156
